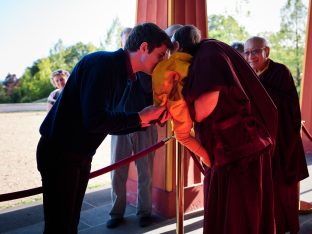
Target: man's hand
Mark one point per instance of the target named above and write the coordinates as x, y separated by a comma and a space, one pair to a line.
164, 117
152, 114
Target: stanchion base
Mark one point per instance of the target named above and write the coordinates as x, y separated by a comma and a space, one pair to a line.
305, 207
164, 203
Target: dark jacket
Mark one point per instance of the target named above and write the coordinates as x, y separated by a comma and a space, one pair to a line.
89, 107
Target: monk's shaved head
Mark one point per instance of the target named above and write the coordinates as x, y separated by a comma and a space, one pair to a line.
172, 28
256, 41
256, 53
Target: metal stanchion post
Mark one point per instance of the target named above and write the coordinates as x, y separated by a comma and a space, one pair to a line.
180, 187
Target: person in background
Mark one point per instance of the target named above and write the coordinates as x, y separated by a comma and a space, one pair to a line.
172, 28
168, 78
123, 146
58, 80
91, 106
289, 164
235, 121
124, 36
239, 47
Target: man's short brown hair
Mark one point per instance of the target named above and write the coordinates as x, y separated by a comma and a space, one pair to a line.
150, 33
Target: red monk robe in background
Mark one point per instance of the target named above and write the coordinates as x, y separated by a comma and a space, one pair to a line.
289, 164
239, 136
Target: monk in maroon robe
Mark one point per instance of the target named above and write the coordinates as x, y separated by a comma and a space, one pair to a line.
235, 120
289, 164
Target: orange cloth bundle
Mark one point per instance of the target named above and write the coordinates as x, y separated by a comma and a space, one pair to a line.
167, 83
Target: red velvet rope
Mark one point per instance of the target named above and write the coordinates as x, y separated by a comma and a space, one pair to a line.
197, 163
38, 190
128, 159
20, 194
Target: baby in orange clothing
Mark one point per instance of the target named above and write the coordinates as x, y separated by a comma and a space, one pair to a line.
167, 83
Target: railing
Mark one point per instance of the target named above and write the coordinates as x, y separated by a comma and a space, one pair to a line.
38, 190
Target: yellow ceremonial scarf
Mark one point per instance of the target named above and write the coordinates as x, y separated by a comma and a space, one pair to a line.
167, 77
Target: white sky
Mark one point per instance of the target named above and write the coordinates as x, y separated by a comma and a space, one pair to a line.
30, 28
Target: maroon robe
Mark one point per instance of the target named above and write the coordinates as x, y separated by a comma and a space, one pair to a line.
239, 136
289, 164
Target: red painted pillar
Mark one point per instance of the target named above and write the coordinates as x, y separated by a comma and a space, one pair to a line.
306, 85
168, 12
165, 13
155, 11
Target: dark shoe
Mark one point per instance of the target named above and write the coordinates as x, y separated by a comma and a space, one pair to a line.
114, 222
145, 221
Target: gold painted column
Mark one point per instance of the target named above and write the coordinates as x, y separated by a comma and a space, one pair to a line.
180, 189
165, 13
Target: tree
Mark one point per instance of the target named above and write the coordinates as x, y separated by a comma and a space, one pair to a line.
292, 36
74, 53
35, 82
57, 54
10, 82
226, 29
4, 98
112, 39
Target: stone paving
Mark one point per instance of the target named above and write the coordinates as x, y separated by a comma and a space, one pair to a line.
95, 213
